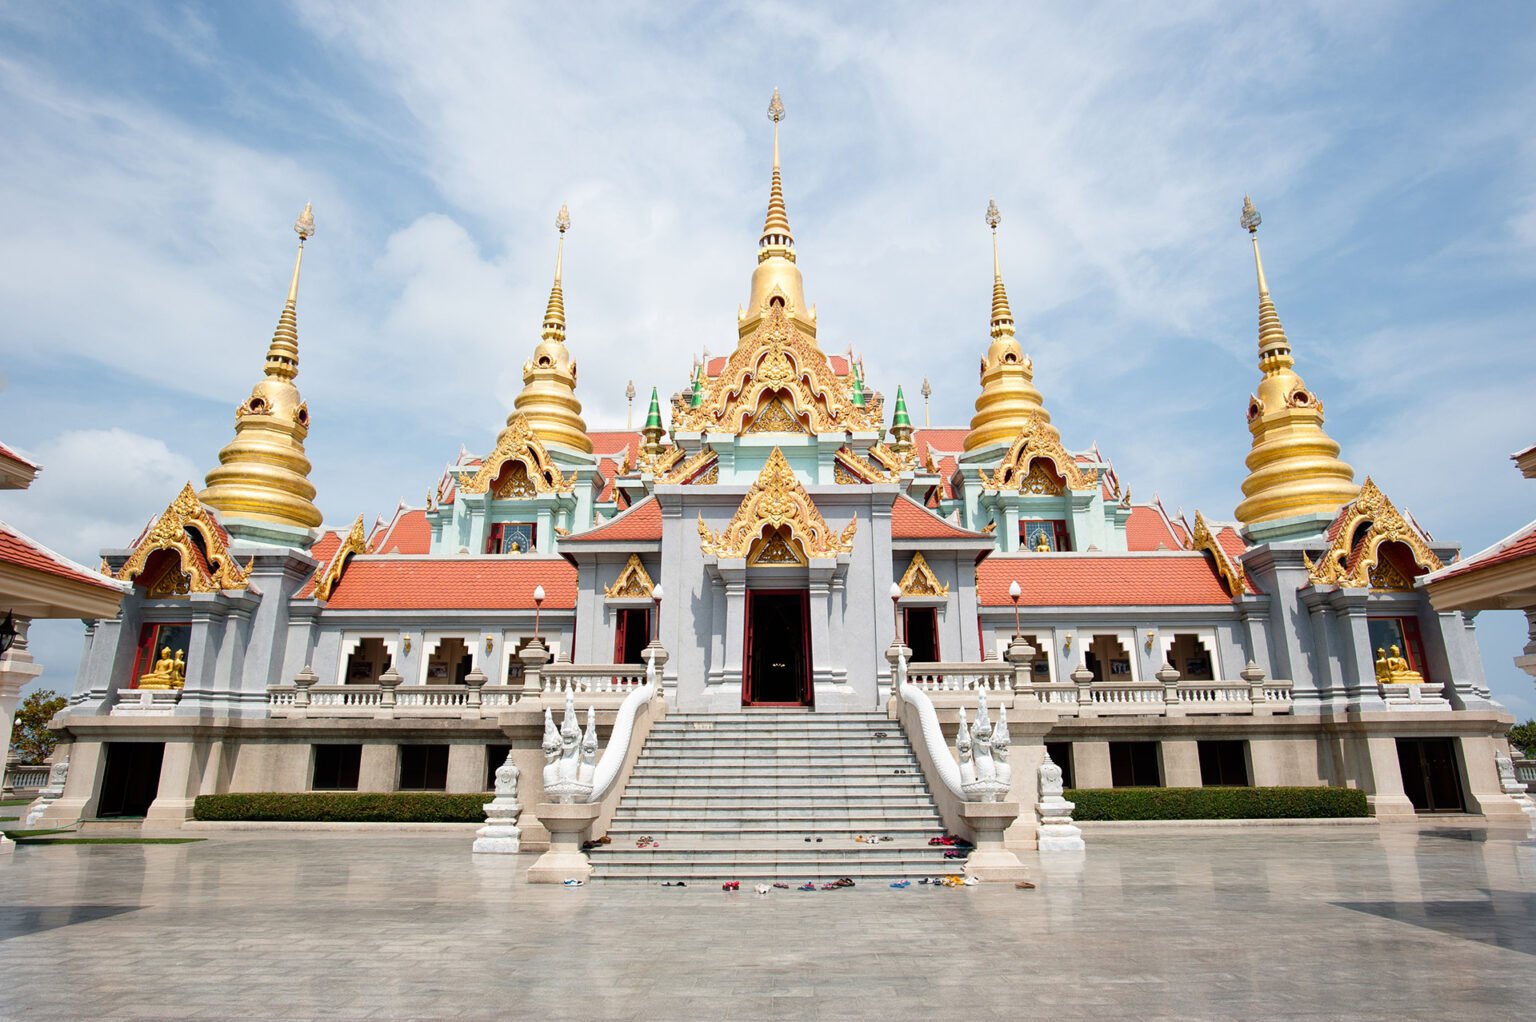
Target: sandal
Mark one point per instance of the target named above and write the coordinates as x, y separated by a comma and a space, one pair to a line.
1024, 885
842, 882
807, 886
782, 886
902, 883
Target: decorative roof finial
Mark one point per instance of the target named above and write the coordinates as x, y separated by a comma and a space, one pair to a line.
1250, 220
283, 352
927, 393
1002, 315
776, 232
554, 312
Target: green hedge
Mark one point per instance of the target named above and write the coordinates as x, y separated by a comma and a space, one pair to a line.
343, 807
1215, 803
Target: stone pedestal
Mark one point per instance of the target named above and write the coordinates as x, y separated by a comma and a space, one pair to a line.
568, 827
1057, 831
991, 859
1424, 697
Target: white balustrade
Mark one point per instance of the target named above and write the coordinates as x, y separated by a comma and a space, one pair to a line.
985, 676
431, 696
575, 679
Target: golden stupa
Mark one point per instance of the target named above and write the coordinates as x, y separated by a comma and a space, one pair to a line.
1008, 398
1293, 468
776, 270
263, 474
548, 399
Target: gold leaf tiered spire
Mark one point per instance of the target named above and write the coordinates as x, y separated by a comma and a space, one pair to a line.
776, 272
1008, 401
263, 473
1294, 469
548, 399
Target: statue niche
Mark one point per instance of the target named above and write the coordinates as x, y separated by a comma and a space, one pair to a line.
170, 671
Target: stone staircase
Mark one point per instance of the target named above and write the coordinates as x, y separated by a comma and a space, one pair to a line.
765, 796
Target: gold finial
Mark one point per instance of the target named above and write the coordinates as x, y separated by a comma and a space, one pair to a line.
776, 233
1002, 315
548, 398
263, 473
554, 312
775, 107
563, 219
1294, 469
993, 216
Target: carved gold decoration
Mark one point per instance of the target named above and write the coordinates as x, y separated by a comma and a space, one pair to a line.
1041, 480
355, 543
1201, 538
848, 469
1036, 440
1387, 578
209, 566
777, 499
896, 462
692, 470
776, 550
518, 443
633, 583
777, 361
662, 463
774, 418
1350, 559
919, 579
710, 477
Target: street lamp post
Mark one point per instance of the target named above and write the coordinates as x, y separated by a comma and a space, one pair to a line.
656, 595
896, 614
1014, 592
538, 605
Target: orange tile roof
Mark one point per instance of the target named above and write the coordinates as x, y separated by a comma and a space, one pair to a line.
613, 441
322, 551
952, 440
910, 520
1147, 528
454, 583
1232, 542
1511, 548
409, 533
20, 550
1163, 580
641, 523
608, 472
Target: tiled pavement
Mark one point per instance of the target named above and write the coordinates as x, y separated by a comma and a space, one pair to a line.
1393, 922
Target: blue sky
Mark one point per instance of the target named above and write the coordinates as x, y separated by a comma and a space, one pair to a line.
156, 155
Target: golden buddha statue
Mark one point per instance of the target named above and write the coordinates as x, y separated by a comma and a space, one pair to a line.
1042, 544
1392, 668
170, 671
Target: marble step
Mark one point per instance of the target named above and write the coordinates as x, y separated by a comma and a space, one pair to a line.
703, 785
892, 759
732, 835
714, 873
808, 802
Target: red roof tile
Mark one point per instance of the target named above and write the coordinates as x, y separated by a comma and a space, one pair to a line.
952, 440
454, 583
322, 551
613, 441
22, 551
1166, 580
1146, 529
607, 471
1232, 543
1511, 548
409, 533
910, 520
641, 523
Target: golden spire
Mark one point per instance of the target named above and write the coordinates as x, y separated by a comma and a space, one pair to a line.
548, 399
1294, 469
263, 474
1008, 400
776, 271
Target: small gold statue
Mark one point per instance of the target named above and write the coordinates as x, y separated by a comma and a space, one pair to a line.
1043, 544
1393, 669
170, 671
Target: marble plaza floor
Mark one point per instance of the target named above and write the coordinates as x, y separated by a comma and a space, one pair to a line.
1387, 922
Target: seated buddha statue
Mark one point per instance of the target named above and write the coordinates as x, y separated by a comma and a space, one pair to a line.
1392, 668
164, 675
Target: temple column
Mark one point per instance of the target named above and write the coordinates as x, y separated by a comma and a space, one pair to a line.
717, 631
16, 670
1329, 693
1353, 651
1460, 663
837, 607
199, 688
822, 653
735, 624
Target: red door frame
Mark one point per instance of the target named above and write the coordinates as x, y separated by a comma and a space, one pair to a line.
625, 616
809, 699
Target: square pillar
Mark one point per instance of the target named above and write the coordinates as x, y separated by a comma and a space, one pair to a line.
181, 777
1090, 765
380, 767
466, 767
1181, 763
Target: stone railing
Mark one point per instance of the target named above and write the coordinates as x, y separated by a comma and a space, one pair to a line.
145, 702
387, 701
21, 777
985, 676
1525, 771
558, 678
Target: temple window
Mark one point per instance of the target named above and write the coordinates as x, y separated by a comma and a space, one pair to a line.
449, 662
367, 661
336, 767
423, 768
1402, 633
1047, 535
921, 630
1189, 656
162, 653
511, 538
1134, 765
1223, 764
1106, 657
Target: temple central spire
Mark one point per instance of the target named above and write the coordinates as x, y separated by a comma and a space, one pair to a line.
776, 272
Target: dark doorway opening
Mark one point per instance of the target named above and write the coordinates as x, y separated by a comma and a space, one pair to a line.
131, 778
922, 634
778, 649
1134, 765
423, 768
1431, 775
632, 633
1223, 764
337, 767
1061, 755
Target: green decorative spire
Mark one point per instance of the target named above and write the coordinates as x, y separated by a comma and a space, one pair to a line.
858, 385
900, 418
653, 417
697, 400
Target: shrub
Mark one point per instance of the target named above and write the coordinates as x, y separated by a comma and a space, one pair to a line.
343, 807
1523, 737
1215, 803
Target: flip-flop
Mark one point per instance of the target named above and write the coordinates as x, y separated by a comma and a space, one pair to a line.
842, 882
902, 883
762, 890
782, 886
670, 883
807, 886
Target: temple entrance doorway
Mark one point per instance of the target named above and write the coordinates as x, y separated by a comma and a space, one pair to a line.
778, 649
131, 778
1431, 778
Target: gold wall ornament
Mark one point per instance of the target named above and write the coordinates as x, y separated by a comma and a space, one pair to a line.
778, 549
1202, 539
774, 417
919, 579
356, 542
518, 443
695, 469
660, 462
896, 462
633, 583
206, 560
779, 361
1037, 440
1364, 525
848, 469
777, 499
